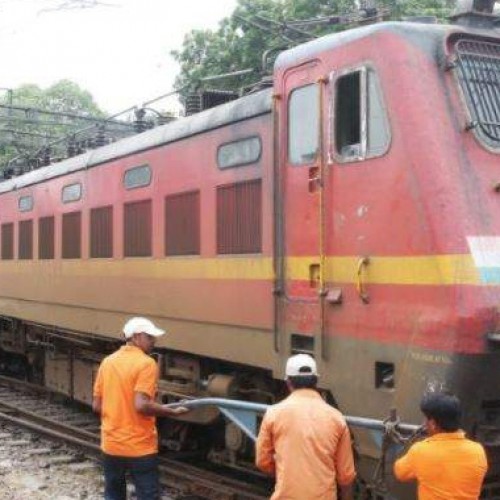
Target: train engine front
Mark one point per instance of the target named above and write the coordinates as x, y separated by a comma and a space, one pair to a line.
388, 228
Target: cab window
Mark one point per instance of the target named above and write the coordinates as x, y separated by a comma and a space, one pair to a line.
361, 128
303, 125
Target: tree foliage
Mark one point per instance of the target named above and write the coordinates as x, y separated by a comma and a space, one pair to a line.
40, 116
63, 96
259, 25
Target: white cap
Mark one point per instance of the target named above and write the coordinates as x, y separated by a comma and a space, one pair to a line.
301, 365
141, 325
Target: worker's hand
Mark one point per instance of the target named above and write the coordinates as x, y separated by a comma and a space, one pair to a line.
180, 410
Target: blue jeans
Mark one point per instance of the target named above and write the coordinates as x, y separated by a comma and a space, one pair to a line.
144, 473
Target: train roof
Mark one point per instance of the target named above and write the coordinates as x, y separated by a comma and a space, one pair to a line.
244, 108
426, 36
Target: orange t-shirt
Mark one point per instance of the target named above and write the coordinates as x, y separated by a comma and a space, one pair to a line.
447, 466
124, 431
307, 444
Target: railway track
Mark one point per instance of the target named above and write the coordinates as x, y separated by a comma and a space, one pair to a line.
46, 413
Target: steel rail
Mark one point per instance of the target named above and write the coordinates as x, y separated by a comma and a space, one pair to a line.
22, 422
58, 427
178, 475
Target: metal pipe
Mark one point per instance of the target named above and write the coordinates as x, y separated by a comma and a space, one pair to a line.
260, 408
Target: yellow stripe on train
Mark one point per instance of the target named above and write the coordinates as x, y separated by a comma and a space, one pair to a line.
424, 270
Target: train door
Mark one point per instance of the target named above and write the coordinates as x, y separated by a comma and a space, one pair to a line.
300, 209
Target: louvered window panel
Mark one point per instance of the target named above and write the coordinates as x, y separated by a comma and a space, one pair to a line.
137, 229
182, 224
26, 239
71, 235
8, 241
478, 64
101, 232
239, 218
46, 236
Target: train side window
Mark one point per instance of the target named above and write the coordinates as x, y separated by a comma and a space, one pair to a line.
137, 230
71, 192
182, 224
46, 236
137, 177
8, 241
303, 125
71, 235
361, 123
239, 218
239, 153
25, 203
101, 232
25, 239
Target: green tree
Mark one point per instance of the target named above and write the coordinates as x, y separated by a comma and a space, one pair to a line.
441, 9
41, 116
242, 38
259, 25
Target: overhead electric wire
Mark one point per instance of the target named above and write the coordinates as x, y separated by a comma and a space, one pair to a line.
30, 109
264, 28
287, 26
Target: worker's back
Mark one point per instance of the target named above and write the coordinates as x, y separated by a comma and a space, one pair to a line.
125, 432
312, 447
446, 465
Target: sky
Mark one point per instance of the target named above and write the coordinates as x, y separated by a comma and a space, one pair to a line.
119, 51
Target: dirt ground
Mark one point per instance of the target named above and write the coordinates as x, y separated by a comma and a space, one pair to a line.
34, 468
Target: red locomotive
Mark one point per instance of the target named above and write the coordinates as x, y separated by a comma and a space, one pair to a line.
349, 212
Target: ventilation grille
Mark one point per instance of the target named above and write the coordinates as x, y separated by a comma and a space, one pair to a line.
71, 235
101, 232
478, 65
46, 238
8, 241
26, 239
137, 229
182, 224
239, 216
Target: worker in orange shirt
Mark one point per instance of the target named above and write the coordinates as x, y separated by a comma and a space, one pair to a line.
446, 465
124, 393
304, 441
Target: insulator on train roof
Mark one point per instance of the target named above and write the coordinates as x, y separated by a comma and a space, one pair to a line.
33, 163
80, 147
45, 159
100, 138
71, 149
18, 168
140, 124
